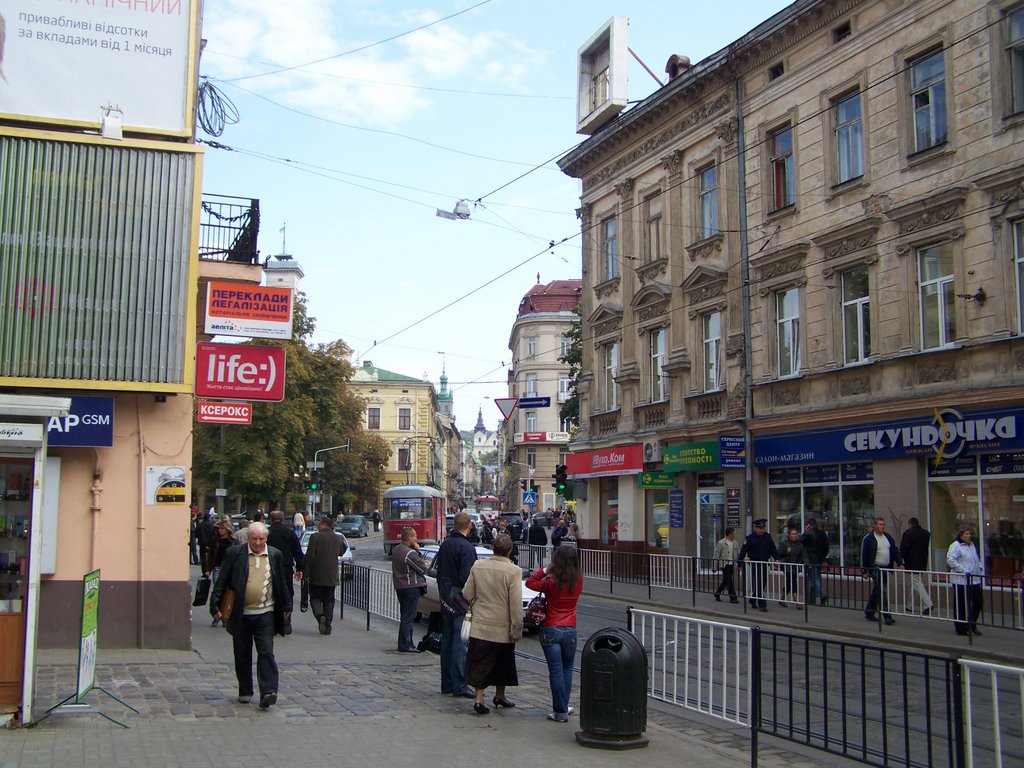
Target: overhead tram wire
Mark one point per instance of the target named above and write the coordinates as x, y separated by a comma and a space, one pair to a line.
362, 47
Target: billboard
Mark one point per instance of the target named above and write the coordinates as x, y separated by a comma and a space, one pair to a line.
240, 372
260, 312
62, 62
89, 423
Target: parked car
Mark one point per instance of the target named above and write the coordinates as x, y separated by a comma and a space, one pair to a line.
354, 525
515, 525
346, 560
430, 602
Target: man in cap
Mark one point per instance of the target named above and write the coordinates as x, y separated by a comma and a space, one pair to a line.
323, 571
758, 548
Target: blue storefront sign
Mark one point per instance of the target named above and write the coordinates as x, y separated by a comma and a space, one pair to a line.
675, 509
732, 452
89, 424
944, 435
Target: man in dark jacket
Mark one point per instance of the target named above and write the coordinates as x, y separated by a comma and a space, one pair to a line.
878, 553
758, 548
254, 574
537, 538
455, 558
323, 571
816, 548
914, 549
282, 537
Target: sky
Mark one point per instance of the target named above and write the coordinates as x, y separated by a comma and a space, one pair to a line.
358, 119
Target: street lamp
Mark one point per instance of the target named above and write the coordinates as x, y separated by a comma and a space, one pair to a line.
347, 445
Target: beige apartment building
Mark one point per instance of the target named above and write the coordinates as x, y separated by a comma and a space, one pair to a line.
536, 437
802, 289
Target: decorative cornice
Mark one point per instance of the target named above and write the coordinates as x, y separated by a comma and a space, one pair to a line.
726, 131
624, 189
652, 269
782, 262
718, 306
876, 204
677, 362
703, 249
607, 288
850, 238
585, 213
929, 211
627, 373
673, 162
650, 312
1005, 185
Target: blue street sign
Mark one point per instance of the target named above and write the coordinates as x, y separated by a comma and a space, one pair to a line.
534, 402
89, 423
529, 499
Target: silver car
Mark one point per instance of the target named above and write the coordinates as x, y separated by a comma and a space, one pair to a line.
344, 562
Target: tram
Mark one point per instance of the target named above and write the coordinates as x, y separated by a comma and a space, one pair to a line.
413, 506
488, 505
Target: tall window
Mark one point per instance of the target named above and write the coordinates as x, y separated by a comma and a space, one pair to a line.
849, 138
652, 233
609, 247
531, 421
712, 327
1015, 50
938, 301
404, 418
656, 342
1018, 252
611, 367
564, 387
531, 460
564, 345
404, 459
787, 314
708, 202
856, 316
531, 346
600, 81
928, 99
780, 144
565, 425
373, 418
531, 385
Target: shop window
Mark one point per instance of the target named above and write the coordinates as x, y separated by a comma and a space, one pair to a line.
656, 516
938, 298
608, 517
856, 316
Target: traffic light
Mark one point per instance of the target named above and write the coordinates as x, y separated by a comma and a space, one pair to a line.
314, 481
522, 484
561, 478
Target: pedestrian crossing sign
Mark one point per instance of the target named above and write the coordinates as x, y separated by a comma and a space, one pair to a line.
529, 499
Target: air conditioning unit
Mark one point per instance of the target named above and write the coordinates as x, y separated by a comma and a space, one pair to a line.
652, 451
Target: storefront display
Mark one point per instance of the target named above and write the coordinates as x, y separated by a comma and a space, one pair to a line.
15, 524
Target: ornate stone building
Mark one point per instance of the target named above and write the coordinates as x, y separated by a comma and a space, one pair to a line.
802, 287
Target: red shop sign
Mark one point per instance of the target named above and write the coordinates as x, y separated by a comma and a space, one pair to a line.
624, 460
212, 412
240, 371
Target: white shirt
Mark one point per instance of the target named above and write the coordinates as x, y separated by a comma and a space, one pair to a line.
882, 555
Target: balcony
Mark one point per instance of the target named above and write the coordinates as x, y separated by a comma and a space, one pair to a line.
651, 415
706, 407
228, 229
604, 423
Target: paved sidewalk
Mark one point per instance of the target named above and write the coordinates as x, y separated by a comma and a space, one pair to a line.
345, 700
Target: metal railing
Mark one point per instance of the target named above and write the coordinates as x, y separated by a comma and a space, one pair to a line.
229, 228
371, 590
993, 706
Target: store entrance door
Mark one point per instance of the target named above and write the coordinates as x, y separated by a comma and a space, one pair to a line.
15, 524
711, 517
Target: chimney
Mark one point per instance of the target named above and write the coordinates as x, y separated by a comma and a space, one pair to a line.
676, 66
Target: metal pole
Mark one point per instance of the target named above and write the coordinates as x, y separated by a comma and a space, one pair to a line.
755, 692
220, 477
748, 391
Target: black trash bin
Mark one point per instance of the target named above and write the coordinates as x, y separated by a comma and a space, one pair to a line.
613, 691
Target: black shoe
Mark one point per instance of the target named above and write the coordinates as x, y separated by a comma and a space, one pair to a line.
267, 700
974, 631
870, 617
889, 620
733, 600
925, 611
465, 693
763, 609
480, 709
244, 698
718, 599
324, 629
824, 601
502, 703
409, 650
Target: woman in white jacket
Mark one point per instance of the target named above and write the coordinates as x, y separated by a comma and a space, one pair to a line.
966, 569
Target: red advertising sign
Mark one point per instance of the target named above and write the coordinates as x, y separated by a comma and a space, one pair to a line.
624, 460
211, 412
242, 372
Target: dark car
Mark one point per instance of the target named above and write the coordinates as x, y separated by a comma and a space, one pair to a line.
354, 525
515, 525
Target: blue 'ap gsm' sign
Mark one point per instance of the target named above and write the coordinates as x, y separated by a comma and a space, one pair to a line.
89, 423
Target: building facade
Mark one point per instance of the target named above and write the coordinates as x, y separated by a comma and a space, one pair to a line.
536, 438
403, 410
803, 285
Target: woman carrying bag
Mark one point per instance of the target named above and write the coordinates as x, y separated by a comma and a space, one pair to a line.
561, 583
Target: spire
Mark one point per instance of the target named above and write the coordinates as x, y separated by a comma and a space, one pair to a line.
480, 421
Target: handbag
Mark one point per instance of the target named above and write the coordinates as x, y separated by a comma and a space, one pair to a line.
202, 591
304, 595
467, 625
454, 603
227, 604
537, 611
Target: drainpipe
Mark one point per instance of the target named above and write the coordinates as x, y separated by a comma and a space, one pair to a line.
748, 394
95, 508
141, 526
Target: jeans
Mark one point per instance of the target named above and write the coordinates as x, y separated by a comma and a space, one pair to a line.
559, 645
969, 598
321, 600
814, 588
757, 583
408, 600
453, 654
727, 583
879, 598
258, 630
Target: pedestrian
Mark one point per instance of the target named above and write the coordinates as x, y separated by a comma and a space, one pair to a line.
487, 533
299, 524
193, 535
455, 558
914, 549
792, 554
323, 571
494, 591
816, 548
408, 567
262, 605
758, 549
726, 551
966, 576
559, 532
281, 538
537, 538
879, 554
241, 536
206, 534
223, 540
561, 583
376, 520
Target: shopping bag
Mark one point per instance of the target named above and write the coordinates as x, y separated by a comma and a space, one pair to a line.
202, 591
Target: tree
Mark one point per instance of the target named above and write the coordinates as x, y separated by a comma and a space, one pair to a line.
570, 410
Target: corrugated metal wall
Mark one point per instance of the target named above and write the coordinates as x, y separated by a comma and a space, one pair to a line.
94, 254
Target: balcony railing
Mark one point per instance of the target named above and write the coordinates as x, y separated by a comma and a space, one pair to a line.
228, 229
651, 415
